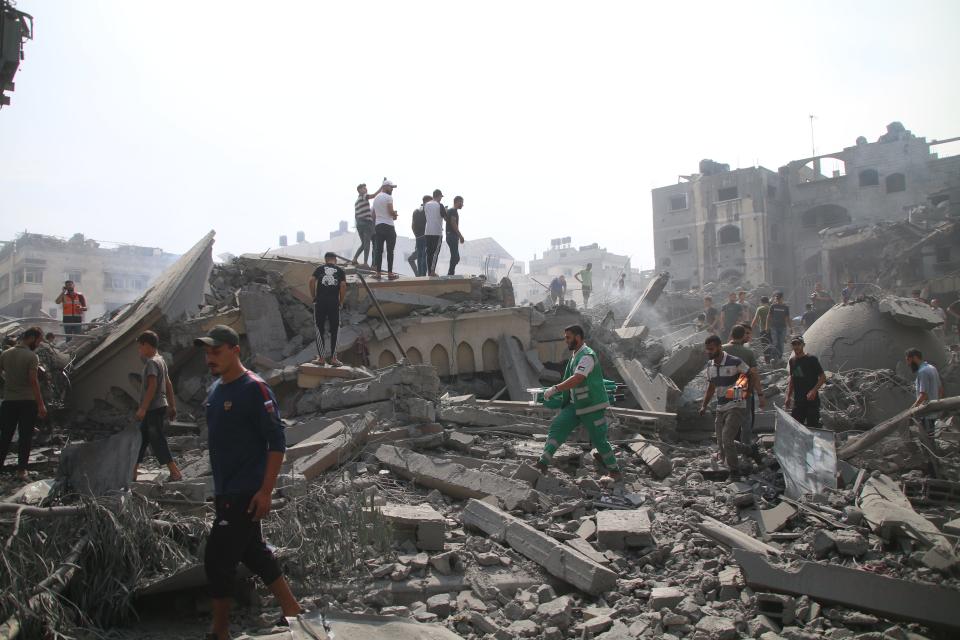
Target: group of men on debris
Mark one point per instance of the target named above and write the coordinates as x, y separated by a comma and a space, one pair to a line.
376, 217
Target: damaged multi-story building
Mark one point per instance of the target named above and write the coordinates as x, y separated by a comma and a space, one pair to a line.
756, 226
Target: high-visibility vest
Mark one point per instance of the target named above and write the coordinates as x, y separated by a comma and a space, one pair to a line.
591, 394
72, 305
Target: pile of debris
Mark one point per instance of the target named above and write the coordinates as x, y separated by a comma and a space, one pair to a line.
406, 506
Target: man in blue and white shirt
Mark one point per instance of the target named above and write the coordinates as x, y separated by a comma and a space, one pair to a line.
723, 371
928, 384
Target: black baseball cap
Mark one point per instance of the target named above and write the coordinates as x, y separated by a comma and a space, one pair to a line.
218, 336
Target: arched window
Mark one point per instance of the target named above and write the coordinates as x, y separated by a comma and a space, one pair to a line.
465, 362
386, 359
869, 178
491, 355
414, 356
728, 235
440, 361
896, 182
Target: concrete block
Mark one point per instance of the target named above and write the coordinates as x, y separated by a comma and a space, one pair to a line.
423, 521
627, 333
660, 465
684, 365
299, 432
457, 481
517, 372
653, 392
622, 528
336, 451
661, 597
261, 316
100, 467
558, 559
473, 416
316, 441
343, 396
311, 375
772, 520
586, 549
421, 410
460, 441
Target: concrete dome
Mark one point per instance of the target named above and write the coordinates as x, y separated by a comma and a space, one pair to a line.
859, 336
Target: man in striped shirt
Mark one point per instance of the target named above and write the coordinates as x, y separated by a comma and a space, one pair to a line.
365, 226
723, 372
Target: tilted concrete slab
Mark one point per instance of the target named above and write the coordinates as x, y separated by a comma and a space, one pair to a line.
315, 442
622, 528
684, 365
628, 333
300, 431
733, 538
558, 559
335, 451
457, 481
772, 520
100, 467
659, 464
910, 312
891, 598
108, 365
261, 317
654, 393
517, 372
649, 298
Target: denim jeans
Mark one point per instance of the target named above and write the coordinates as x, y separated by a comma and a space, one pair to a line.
778, 336
421, 256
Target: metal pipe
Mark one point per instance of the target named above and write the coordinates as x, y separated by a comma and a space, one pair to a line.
376, 303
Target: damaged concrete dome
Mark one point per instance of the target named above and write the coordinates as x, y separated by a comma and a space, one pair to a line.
872, 334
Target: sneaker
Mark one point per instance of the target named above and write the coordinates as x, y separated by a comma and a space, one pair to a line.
541, 468
393, 276
335, 363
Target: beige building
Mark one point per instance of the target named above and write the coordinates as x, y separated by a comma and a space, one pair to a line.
33, 268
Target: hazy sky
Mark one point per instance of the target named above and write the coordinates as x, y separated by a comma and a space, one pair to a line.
153, 122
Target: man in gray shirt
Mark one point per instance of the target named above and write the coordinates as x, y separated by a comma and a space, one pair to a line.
157, 402
22, 400
928, 384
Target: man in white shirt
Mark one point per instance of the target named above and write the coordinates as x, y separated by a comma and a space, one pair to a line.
434, 231
384, 234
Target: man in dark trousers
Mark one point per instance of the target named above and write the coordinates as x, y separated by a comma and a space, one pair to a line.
74, 305
247, 445
803, 385
22, 400
157, 402
328, 288
454, 237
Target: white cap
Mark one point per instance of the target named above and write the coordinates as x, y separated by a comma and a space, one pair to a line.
389, 183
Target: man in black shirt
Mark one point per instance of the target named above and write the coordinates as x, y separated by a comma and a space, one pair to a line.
803, 385
454, 237
328, 287
711, 316
418, 223
809, 316
778, 321
732, 313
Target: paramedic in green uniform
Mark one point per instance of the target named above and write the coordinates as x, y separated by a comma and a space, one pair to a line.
584, 403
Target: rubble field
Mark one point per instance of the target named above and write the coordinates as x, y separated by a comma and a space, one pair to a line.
409, 505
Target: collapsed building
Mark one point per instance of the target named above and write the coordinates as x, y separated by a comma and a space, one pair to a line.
409, 503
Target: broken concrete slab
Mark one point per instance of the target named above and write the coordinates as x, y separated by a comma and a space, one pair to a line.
316, 441
882, 430
622, 528
261, 316
457, 481
629, 333
109, 364
660, 465
891, 598
661, 597
515, 368
653, 392
335, 451
297, 433
423, 521
344, 396
100, 467
807, 457
772, 520
910, 312
733, 538
558, 559
311, 375
683, 365
370, 627
890, 515
649, 297
583, 547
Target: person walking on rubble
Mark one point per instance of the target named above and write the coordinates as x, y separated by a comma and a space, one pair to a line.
731, 314
711, 315
328, 288
745, 305
739, 337
454, 237
22, 401
759, 323
74, 305
435, 213
247, 445
803, 385
778, 321
728, 378
928, 385
363, 217
385, 233
585, 278
584, 403
558, 289
157, 402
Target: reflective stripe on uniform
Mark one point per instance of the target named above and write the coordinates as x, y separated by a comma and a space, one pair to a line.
597, 407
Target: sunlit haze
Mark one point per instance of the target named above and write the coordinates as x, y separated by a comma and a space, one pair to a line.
151, 123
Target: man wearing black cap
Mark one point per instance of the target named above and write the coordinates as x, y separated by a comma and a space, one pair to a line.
803, 385
247, 444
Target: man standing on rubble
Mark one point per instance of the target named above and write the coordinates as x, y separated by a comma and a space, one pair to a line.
418, 223
745, 305
928, 385
729, 378
454, 237
739, 337
711, 316
585, 278
363, 217
157, 402
74, 305
778, 321
803, 385
558, 289
385, 233
435, 213
22, 401
328, 288
732, 313
247, 445
584, 403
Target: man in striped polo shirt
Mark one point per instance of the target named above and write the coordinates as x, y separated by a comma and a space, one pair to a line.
365, 226
723, 375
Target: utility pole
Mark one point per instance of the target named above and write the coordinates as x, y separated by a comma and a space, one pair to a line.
813, 147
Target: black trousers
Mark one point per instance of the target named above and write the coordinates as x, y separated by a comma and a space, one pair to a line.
807, 413
72, 326
151, 432
433, 253
453, 243
327, 313
20, 416
385, 234
234, 538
